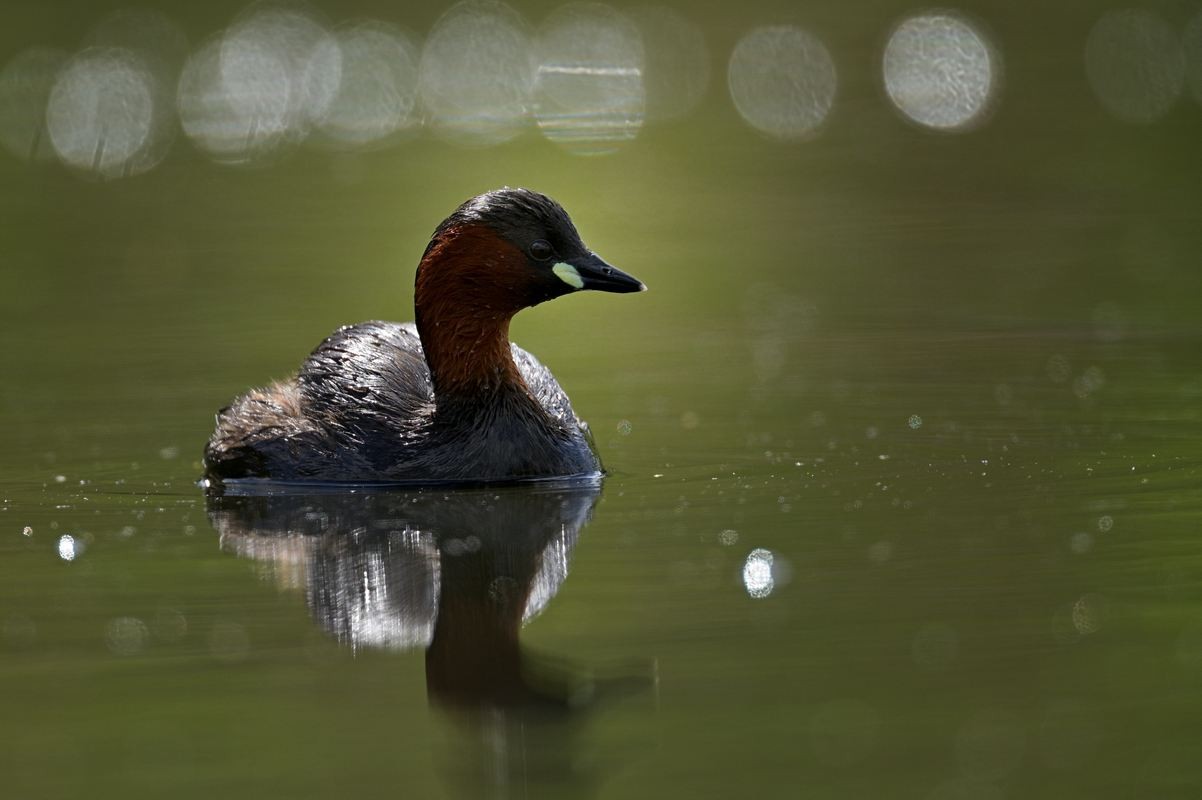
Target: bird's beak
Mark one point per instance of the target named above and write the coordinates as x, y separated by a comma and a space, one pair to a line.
590, 271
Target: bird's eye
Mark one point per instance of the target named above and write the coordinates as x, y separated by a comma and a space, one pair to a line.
541, 250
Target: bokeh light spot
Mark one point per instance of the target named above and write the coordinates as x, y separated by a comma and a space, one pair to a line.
589, 94
1081, 542
880, 552
272, 39
477, 73
782, 81
101, 112
677, 62
170, 625
1135, 65
1058, 369
1087, 615
25, 85
939, 71
231, 132
161, 46
1089, 382
126, 636
376, 97
262, 84
159, 41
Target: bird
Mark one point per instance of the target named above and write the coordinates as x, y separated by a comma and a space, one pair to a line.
444, 399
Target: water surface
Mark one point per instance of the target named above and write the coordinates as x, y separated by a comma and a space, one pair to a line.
903, 449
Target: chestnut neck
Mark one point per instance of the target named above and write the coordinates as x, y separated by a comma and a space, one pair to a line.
463, 312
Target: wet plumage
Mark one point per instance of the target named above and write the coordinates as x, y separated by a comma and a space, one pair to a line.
447, 398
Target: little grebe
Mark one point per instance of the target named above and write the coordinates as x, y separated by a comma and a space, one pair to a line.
445, 399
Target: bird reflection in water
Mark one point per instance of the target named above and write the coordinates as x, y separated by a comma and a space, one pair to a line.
459, 573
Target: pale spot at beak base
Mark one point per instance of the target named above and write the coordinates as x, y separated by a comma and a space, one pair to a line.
568, 274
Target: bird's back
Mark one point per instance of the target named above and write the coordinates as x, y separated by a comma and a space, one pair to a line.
362, 408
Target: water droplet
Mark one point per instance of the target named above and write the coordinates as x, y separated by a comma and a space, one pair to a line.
757, 573
69, 547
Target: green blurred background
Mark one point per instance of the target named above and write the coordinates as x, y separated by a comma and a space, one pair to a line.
949, 381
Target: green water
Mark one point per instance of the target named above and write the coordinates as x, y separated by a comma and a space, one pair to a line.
904, 495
